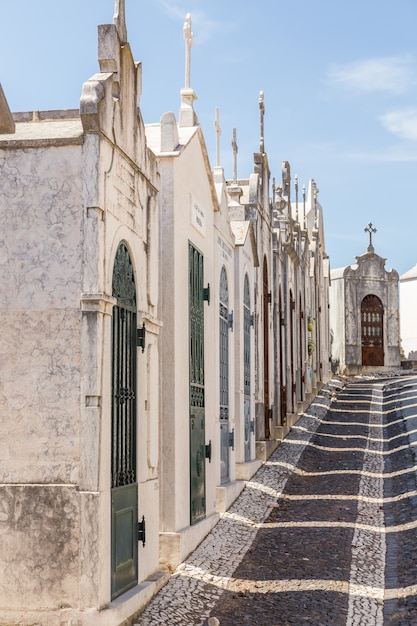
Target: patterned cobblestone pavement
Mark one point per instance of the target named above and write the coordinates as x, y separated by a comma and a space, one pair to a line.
325, 532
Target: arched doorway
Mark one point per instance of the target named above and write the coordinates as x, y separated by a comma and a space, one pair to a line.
301, 333
372, 331
197, 385
282, 379
266, 297
224, 376
247, 322
292, 351
124, 488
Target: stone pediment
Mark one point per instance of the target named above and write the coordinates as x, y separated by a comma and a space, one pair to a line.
370, 265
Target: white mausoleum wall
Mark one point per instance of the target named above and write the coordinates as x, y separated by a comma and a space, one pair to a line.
41, 218
337, 320
408, 322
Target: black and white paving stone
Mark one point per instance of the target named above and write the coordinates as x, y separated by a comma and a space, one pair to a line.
326, 531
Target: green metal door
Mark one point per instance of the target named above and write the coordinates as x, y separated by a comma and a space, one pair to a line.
197, 401
247, 321
124, 490
224, 377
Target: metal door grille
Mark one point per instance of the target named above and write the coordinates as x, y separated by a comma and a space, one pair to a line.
196, 379
124, 397
124, 492
124, 372
372, 333
247, 322
224, 374
267, 431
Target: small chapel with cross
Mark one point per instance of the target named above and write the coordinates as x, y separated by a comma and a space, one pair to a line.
364, 314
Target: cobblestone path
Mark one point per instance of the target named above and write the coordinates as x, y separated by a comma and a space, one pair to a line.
325, 533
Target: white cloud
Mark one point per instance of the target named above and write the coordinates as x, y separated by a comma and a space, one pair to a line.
391, 154
401, 123
392, 74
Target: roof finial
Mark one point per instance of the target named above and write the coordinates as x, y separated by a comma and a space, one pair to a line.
296, 197
187, 114
235, 151
304, 208
189, 40
218, 133
119, 20
370, 229
262, 115
316, 211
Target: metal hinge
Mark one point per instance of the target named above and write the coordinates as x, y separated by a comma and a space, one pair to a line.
206, 293
208, 451
140, 337
142, 531
230, 320
232, 439
252, 426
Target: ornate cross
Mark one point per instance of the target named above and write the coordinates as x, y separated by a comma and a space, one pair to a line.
262, 115
370, 229
189, 40
296, 197
235, 151
119, 19
218, 133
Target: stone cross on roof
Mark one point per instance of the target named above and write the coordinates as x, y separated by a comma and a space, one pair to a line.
235, 151
262, 115
189, 40
119, 20
218, 133
370, 229
296, 197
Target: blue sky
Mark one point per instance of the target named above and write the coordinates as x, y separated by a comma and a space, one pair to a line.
339, 82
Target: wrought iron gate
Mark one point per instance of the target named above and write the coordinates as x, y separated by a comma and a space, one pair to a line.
372, 318
292, 348
282, 351
224, 376
247, 322
124, 491
197, 399
301, 331
266, 297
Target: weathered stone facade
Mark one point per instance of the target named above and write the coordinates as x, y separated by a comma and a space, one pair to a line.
75, 185
363, 336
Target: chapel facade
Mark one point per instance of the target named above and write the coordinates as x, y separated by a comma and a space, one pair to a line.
364, 315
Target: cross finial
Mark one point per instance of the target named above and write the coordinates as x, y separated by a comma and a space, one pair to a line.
235, 151
370, 229
262, 115
218, 133
296, 197
119, 20
189, 40
316, 211
304, 208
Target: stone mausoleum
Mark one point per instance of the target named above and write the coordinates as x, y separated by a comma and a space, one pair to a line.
364, 314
